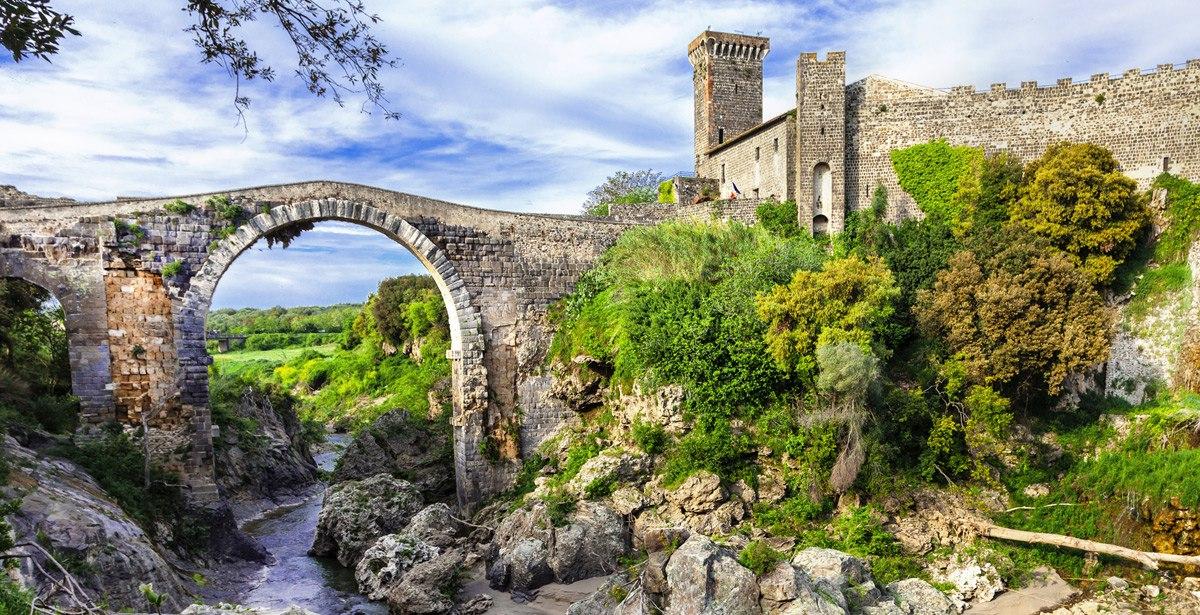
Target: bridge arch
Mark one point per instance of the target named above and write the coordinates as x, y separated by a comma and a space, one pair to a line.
87, 346
468, 372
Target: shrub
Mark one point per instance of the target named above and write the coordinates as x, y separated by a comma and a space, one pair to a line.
649, 437
666, 191
172, 268
1020, 321
1078, 199
559, 506
225, 208
760, 557
850, 300
778, 218
715, 448
600, 487
179, 207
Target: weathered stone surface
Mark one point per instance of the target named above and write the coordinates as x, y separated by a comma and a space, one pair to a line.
918, 597
706, 578
406, 447
434, 525
529, 551
425, 588
699, 493
276, 467
62, 504
386, 562
841, 569
357, 513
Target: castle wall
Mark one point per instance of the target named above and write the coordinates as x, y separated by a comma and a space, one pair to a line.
727, 82
1145, 119
760, 163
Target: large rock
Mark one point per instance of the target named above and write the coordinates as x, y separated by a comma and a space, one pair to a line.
272, 467
355, 514
434, 525
407, 447
704, 578
917, 597
617, 596
786, 589
699, 503
429, 588
64, 508
528, 551
615, 464
386, 562
841, 570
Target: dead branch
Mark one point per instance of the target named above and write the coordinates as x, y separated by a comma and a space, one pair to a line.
1148, 559
1016, 508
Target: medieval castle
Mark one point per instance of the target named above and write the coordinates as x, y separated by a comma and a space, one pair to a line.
833, 148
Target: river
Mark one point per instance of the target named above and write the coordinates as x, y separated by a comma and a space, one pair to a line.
314, 583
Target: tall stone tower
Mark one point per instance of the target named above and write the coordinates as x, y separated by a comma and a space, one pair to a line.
727, 77
821, 141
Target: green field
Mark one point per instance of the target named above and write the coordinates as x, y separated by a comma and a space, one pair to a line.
279, 355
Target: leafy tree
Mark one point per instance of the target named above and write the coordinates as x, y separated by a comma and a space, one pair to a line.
986, 197
867, 229
1079, 200
779, 218
847, 374
1020, 320
850, 300
337, 53
406, 308
623, 187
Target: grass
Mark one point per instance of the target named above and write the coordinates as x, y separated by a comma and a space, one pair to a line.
278, 355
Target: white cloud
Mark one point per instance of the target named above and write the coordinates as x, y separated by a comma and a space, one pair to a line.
515, 105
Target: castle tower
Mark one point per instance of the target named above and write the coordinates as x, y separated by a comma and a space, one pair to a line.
727, 79
820, 178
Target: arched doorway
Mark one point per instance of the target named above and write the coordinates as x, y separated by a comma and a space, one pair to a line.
820, 224
822, 191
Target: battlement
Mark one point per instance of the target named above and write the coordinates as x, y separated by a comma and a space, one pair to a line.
1133, 77
728, 46
835, 57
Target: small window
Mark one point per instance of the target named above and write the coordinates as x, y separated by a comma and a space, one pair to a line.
735, 88
722, 174
822, 131
756, 193
720, 135
757, 154
777, 144
1166, 164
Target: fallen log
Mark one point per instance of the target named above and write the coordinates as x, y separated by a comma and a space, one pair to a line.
1148, 559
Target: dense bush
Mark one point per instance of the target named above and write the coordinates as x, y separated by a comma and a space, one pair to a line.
778, 218
1077, 198
1021, 320
406, 308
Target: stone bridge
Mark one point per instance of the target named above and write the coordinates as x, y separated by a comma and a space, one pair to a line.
136, 331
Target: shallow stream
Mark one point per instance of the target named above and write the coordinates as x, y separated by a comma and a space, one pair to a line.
317, 584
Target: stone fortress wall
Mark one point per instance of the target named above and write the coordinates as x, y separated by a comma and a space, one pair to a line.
838, 139
1151, 122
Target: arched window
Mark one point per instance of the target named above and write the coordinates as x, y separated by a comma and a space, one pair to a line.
820, 224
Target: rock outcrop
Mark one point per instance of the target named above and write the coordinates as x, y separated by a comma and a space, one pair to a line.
406, 447
64, 510
357, 513
528, 550
273, 466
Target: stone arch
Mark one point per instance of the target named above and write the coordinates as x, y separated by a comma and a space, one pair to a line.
86, 330
822, 197
469, 375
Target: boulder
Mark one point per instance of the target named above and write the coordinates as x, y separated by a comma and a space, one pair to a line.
355, 514
787, 589
614, 464
841, 570
405, 446
705, 578
974, 582
617, 596
917, 597
699, 493
528, 551
386, 562
434, 525
428, 588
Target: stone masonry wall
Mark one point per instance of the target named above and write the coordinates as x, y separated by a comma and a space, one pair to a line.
820, 135
727, 81
760, 163
142, 346
1150, 121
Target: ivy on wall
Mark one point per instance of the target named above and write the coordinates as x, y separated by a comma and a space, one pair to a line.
931, 173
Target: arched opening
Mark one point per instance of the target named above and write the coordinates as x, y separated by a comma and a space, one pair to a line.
820, 224
35, 365
357, 326
822, 190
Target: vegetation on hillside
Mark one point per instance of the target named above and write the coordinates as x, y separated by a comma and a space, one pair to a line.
926, 352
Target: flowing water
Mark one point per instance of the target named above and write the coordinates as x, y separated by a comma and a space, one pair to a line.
317, 584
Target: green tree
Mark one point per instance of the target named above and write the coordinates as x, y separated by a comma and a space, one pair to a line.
407, 307
1020, 320
623, 187
847, 374
849, 300
1079, 200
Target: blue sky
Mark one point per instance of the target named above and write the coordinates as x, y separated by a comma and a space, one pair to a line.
513, 105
